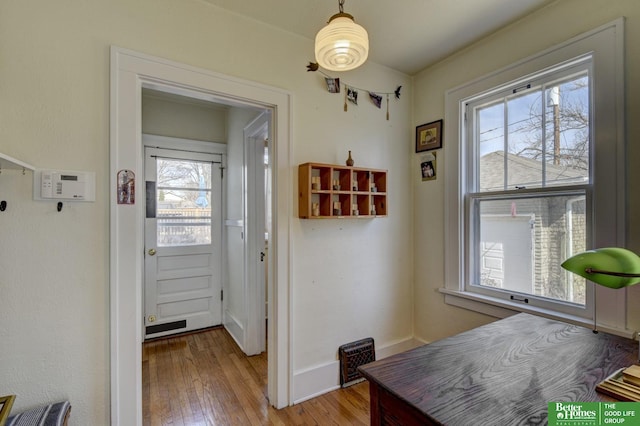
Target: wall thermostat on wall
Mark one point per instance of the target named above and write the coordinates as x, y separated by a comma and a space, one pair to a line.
64, 185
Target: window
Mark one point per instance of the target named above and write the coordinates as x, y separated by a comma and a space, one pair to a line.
526, 199
184, 202
538, 175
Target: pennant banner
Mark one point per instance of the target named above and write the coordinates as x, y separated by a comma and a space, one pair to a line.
376, 99
352, 95
351, 92
333, 84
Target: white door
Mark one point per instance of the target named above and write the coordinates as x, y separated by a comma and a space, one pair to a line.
256, 155
183, 238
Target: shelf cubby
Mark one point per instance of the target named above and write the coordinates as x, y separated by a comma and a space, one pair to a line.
328, 191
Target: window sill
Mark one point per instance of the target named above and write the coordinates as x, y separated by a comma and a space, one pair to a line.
501, 309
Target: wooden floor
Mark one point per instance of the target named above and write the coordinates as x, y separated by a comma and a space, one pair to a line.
204, 379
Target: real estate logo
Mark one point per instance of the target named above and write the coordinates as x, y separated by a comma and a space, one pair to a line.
574, 413
594, 413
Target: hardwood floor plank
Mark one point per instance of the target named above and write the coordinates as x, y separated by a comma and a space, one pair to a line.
221, 350
204, 378
214, 387
192, 380
351, 405
249, 390
182, 359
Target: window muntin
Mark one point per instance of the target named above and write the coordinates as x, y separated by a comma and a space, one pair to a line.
527, 204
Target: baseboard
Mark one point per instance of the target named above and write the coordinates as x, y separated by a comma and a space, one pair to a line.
398, 346
235, 329
315, 381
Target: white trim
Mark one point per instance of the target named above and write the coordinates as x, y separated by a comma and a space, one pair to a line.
314, 381
170, 142
320, 379
398, 346
499, 308
234, 327
606, 43
129, 72
254, 242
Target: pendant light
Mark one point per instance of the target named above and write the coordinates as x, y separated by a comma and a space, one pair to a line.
342, 45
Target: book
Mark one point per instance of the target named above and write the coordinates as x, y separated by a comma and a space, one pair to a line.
632, 374
616, 387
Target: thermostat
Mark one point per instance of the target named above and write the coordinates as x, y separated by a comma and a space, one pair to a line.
64, 185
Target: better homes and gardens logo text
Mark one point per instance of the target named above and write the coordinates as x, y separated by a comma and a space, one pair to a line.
575, 413
594, 413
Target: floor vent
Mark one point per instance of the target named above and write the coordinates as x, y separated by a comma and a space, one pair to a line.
166, 327
353, 355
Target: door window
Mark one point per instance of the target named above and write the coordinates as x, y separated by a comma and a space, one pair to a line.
183, 198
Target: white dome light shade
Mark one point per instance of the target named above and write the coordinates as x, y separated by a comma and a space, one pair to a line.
342, 45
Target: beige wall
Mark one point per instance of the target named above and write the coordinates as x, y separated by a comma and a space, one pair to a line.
351, 278
175, 116
550, 26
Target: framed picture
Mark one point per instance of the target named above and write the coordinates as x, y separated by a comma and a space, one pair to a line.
428, 166
6, 402
429, 136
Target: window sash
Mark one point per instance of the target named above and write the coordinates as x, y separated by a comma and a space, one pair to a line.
504, 95
474, 256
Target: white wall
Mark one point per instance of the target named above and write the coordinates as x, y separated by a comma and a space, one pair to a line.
350, 278
179, 117
550, 26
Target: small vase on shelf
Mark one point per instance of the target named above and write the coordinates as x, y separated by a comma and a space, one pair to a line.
349, 160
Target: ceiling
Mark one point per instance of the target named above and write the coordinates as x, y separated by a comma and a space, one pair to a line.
406, 35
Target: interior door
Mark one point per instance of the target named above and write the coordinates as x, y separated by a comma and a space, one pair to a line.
183, 238
256, 157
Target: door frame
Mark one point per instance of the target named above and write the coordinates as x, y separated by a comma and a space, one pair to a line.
254, 220
130, 72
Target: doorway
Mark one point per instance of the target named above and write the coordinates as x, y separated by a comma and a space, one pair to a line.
130, 71
183, 240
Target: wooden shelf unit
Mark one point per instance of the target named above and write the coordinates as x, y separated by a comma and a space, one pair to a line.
340, 192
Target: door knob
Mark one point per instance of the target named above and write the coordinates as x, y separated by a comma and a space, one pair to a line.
152, 252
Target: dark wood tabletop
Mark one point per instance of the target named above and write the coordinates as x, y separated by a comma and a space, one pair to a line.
503, 373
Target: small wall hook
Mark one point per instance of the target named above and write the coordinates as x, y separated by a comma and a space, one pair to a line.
60, 206
3, 205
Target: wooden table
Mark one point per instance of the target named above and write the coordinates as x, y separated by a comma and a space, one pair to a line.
503, 373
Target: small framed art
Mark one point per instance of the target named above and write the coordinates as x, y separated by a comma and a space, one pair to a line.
429, 136
428, 166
